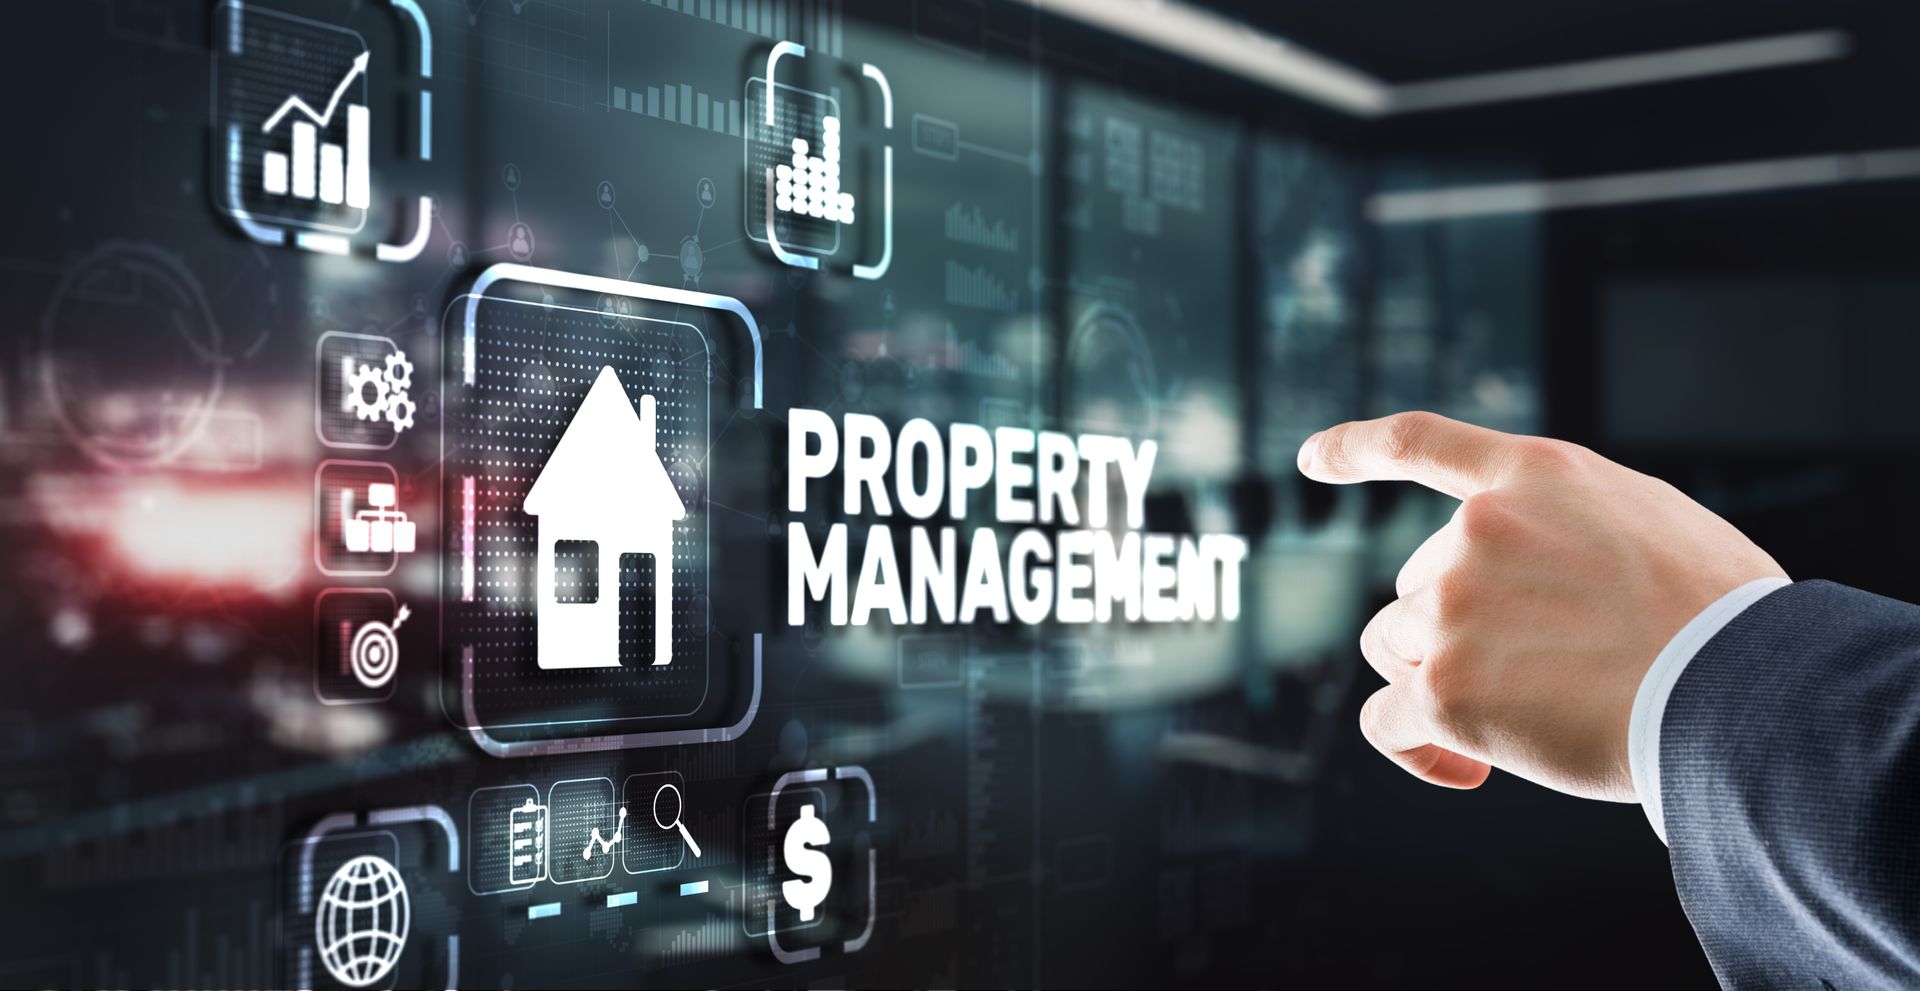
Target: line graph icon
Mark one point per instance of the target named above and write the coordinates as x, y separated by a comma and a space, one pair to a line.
297, 139
605, 844
586, 826
342, 168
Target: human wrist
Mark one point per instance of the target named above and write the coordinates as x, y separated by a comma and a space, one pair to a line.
1656, 686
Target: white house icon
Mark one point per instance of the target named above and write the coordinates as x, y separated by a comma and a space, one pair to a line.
605, 488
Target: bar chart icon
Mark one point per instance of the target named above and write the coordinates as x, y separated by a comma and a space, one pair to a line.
292, 94
296, 143
340, 173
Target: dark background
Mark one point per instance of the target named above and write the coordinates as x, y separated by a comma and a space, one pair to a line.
1125, 807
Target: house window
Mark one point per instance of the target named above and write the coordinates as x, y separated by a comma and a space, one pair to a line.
576, 571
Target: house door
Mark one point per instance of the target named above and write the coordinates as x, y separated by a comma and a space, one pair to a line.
639, 597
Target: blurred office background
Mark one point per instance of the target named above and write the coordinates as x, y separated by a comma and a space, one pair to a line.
1682, 234
1692, 223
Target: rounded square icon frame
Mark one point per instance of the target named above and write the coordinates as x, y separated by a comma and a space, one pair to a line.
227, 151
812, 252
614, 804
321, 508
393, 683
227, 18
468, 717
469, 528
301, 963
475, 843
382, 820
472, 346
648, 822
754, 874
811, 262
814, 776
320, 394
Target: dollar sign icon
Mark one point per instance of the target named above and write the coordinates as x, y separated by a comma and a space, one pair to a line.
802, 850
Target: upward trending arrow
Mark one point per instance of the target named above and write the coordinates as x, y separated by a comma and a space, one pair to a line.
319, 119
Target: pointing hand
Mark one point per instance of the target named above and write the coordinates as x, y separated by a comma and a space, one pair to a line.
1523, 626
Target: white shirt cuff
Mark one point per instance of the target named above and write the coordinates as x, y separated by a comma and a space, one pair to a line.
1650, 702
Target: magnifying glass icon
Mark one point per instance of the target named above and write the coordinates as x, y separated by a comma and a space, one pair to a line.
675, 823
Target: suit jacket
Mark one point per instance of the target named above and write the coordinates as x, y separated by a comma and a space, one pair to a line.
1790, 776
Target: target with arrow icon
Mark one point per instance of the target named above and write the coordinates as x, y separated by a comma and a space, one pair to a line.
358, 645
375, 653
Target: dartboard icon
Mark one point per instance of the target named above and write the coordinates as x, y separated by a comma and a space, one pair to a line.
375, 651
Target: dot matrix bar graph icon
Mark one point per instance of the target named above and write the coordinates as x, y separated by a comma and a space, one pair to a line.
780, 193
809, 185
342, 173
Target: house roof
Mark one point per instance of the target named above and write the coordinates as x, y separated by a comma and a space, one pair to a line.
605, 467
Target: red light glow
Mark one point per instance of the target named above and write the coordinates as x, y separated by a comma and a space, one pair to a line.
251, 538
211, 534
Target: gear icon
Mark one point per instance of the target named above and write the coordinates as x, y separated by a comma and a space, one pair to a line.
399, 372
400, 410
358, 384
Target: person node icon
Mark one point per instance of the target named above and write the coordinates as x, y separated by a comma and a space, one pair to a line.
693, 258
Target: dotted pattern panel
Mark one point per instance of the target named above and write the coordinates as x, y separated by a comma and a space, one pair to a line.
283, 56
576, 571
492, 814
647, 846
534, 365
761, 868
798, 115
577, 810
809, 185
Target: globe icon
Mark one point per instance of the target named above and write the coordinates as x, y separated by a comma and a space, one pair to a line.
360, 926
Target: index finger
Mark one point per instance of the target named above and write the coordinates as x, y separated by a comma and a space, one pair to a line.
1456, 458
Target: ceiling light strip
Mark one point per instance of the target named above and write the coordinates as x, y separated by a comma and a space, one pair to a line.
1626, 188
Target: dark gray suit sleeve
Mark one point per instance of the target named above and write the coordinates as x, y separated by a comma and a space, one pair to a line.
1790, 775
